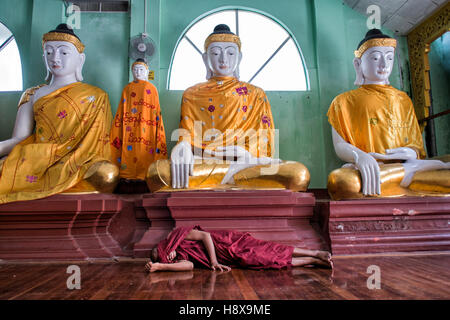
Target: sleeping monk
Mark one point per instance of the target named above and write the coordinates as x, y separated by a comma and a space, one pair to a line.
186, 247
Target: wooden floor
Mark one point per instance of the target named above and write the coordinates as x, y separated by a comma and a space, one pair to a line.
424, 276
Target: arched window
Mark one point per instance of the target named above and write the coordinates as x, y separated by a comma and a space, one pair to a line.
10, 65
271, 57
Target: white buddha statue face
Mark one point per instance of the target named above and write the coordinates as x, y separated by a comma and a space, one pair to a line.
375, 66
222, 59
140, 72
63, 60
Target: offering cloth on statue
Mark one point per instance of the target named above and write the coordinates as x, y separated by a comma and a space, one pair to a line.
226, 112
137, 136
374, 118
233, 248
71, 134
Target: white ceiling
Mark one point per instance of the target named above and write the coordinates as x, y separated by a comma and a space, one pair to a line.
400, 16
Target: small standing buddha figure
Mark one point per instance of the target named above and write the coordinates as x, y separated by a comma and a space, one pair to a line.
137, 134
376, 131
226, 134
60, 142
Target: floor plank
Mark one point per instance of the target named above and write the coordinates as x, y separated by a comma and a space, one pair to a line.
402, 277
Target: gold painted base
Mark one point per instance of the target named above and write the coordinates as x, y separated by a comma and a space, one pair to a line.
208, 176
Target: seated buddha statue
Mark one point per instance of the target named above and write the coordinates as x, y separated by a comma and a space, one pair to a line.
137, 134
375, 130
60, 141
226, 133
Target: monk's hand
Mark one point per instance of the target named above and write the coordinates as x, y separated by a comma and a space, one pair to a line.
403, 153
181, 165
219, 267
171, 256
370, 172
151, 266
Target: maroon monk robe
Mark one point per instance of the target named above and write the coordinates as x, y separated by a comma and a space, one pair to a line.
233, 248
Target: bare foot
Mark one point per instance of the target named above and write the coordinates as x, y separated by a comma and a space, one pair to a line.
151, 266
323, 255
323, 263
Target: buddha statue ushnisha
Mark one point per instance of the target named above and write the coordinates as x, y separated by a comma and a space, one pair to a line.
60, 142
375, 130
137, 134
226, 134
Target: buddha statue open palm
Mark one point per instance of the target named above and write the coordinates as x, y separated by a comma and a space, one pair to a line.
376, 131
226, 134
60, 141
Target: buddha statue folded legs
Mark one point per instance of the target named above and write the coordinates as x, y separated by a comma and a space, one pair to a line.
226, 134
286, 175
375, 130
60, 141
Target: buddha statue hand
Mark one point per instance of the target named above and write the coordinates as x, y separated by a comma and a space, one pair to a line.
182, 165
403, 153
370, 172
416, 165
240, 159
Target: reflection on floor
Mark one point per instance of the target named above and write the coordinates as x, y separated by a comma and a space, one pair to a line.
412, 276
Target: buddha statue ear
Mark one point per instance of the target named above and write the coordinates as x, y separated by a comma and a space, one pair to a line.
78, 72
209, 73
236, 71
48, 76
359, 73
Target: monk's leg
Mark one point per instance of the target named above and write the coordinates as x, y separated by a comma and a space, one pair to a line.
300, 262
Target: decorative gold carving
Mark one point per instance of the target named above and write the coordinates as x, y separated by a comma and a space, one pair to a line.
386, 42
419, 41
60, 36
222, 37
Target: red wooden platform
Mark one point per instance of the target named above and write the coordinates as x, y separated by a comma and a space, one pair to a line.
386, 225
77, 227
282, 216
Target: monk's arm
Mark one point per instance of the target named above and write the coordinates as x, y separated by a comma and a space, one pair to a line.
23, 128
205, 237
183, 265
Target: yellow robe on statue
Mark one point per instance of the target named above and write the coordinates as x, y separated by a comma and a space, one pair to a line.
374, 118
137, 135
71, 134
225, 112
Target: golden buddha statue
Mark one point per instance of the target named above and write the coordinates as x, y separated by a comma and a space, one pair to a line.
376, 131
60, 142
226, 134
137, 135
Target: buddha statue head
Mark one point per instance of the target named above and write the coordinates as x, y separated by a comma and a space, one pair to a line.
63, 54
222, 53
140, 70
374, 58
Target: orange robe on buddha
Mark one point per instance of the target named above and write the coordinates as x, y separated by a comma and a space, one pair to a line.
137, 135
227, 112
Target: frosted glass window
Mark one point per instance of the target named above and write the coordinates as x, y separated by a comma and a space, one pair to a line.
10, 65
271, 58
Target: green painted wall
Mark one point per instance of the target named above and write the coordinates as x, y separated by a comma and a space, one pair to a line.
327, 31
439, 58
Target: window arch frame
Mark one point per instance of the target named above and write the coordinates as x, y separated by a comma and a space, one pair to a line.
6, 43
248, 9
